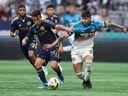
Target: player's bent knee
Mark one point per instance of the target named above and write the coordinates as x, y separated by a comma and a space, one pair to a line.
80, 75
54, 65
37, 65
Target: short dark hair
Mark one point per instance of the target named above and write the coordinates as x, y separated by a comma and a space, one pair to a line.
50, 6
21, 6
36, 13
86, 14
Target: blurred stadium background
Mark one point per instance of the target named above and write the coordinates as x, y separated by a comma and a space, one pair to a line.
109, 46
17, 78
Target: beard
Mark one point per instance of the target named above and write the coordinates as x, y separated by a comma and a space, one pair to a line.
23, 16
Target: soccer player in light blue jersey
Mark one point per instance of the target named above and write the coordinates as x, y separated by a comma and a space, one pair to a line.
82, 51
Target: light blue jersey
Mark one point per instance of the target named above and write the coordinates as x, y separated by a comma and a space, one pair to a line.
82, 30
70, 20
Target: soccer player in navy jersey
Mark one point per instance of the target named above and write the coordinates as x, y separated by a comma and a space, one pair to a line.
52, 18
20, 27
82, 49
45, 35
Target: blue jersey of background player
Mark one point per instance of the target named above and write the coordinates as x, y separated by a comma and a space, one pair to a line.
45, 35
84, 31
69, 19
20, 26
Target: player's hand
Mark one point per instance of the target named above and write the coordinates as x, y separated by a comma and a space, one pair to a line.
16, 33
24, 42
47, 46
124, 30
70, 29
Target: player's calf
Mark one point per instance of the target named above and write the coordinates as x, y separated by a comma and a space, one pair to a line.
80, 75
56, 68
32, 57
38, 66
88, 70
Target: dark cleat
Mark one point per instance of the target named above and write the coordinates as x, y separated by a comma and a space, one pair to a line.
87, 84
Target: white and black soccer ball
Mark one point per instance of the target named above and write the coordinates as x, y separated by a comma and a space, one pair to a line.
53, 83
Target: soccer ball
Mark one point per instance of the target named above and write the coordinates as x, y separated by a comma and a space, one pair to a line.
53, 83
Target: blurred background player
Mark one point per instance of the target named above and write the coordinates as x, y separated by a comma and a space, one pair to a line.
53, 19
103, 17
94, 15
45, 35
20, 26
82, 50
69, 19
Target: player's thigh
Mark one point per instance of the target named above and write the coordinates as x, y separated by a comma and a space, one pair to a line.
77, 61
76, 57
44, 56
32, 49
54, 57
87, 54
88, 58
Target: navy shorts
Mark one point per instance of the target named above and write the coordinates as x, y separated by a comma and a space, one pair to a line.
51, 55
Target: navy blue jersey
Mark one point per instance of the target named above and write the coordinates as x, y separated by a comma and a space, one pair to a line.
22, 25
43, 32
53, 20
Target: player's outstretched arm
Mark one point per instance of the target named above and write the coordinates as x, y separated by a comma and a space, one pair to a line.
64, 28
14, 34
57, 41
25, 41
113, 25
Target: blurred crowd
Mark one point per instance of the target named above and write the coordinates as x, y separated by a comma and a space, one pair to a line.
8, 7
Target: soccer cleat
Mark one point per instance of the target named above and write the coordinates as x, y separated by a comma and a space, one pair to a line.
87, 84
61, 77
43, 86
45, 70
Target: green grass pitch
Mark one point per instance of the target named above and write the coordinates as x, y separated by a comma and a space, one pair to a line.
18, 78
